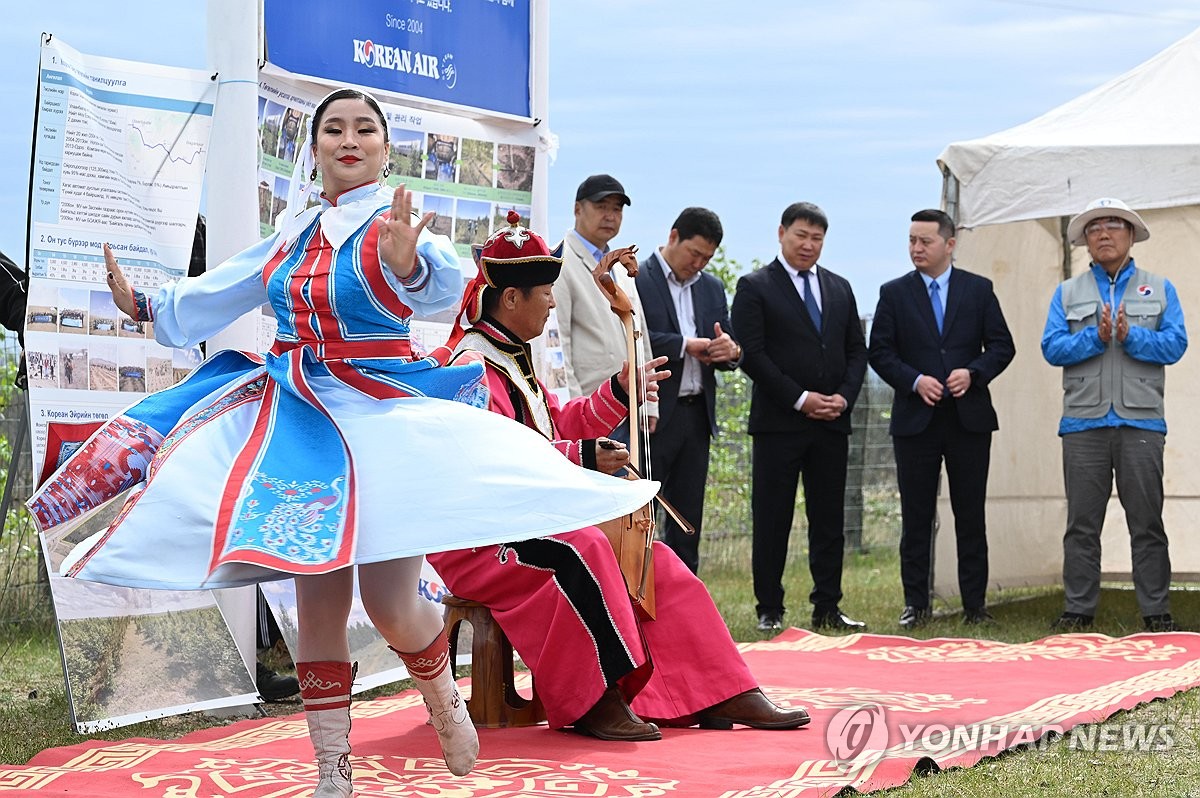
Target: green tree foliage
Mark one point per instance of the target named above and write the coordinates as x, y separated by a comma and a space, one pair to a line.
727, 497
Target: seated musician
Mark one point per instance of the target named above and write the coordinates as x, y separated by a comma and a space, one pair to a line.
563, 601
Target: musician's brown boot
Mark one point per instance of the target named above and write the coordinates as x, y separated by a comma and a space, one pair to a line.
752, 709
612, 719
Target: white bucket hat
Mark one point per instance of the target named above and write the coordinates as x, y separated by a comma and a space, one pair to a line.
1099, 209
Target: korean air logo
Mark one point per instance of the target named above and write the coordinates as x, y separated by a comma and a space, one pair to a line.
1144, 290
385, 56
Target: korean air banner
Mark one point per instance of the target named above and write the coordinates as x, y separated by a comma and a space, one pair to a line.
472, 53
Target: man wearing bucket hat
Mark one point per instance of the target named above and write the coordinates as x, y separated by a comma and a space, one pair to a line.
562, 600
1112, 329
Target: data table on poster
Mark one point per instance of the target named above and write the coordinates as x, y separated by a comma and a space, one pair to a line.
83, 268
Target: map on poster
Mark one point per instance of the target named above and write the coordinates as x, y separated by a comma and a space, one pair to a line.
119, 157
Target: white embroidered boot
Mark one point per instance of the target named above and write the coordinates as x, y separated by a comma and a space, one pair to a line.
434, 678
325, 689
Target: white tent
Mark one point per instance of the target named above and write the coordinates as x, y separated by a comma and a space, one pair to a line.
1137, 138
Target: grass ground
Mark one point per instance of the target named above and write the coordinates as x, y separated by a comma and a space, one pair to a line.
34, 713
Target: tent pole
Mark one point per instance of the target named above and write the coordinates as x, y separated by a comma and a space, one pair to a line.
232, 178
950, 194
1066, 248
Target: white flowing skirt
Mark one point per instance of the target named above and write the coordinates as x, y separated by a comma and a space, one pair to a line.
429, 475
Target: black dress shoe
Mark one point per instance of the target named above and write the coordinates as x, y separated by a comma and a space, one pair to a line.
770, 621
1072, 622
273, 687
836, 619
612, 719
912, 617
752, 709
977, 615
1161, 623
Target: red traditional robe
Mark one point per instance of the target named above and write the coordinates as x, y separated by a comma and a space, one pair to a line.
562, 600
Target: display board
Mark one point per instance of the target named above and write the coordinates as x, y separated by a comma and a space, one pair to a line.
469, 53
119, 156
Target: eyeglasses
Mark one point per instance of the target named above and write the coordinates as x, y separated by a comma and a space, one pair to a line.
1112, 225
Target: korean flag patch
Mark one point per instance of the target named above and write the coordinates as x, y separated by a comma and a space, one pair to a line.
1145, 290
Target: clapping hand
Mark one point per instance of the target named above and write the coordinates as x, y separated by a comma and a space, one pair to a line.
1105, 327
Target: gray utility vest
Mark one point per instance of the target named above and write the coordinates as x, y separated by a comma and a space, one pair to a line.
1132, 387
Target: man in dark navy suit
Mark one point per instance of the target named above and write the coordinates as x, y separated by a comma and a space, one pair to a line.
939, 339
687, 316
804, 349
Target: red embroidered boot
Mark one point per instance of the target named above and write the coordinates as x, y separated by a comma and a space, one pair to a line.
434, 678
325, 689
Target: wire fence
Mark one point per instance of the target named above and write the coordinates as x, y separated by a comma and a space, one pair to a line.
24, 589
872, 502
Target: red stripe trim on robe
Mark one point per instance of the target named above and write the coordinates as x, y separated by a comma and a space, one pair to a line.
373, 266
345, 553
319, 290
373, 387
242, 465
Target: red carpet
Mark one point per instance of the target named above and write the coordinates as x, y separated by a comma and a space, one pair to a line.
881, 703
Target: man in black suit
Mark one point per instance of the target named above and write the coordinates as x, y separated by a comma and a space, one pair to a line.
804, 349
687, 316
939, 339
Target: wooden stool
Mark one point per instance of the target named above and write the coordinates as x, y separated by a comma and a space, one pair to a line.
495, 702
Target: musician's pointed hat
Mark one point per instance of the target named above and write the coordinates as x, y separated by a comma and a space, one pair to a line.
513, 257
517, 257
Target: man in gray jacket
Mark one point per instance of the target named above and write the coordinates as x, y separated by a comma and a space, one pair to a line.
593, 338
1113, 328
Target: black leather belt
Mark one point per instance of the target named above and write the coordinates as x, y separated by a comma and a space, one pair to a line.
691, 399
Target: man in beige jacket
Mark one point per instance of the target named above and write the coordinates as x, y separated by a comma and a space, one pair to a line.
593, 339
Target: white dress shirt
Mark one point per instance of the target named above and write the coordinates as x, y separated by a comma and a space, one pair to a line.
691, 380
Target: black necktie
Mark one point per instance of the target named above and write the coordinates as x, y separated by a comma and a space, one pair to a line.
810, 299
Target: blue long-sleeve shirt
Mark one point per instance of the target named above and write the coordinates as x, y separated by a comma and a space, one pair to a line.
1164, 346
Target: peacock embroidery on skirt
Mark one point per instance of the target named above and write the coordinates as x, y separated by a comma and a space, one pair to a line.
296, 520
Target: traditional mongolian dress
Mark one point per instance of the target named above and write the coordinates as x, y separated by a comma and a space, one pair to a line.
337, 447
562, 600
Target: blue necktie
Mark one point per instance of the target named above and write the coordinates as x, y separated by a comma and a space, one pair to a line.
810, 300
935, 296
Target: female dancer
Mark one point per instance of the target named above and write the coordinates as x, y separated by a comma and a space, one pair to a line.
336, 449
